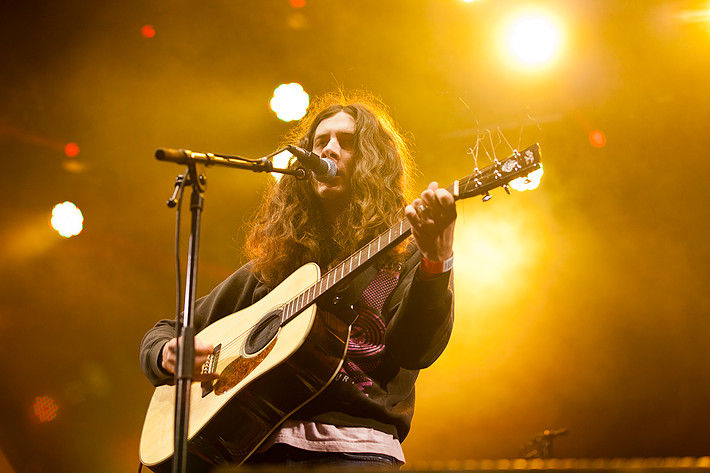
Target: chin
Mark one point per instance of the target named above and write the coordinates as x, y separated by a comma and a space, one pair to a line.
334, 195
331, 193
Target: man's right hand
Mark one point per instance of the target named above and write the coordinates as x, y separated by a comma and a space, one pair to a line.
202, 350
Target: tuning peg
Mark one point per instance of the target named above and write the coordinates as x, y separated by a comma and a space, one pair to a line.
506, 188
486, 197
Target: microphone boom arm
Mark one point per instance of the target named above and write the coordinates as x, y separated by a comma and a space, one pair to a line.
185, 156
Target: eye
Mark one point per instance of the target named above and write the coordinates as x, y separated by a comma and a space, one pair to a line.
347, 141
318, 145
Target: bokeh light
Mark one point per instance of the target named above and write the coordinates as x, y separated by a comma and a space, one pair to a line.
67, 219
281, 161
597, 138
529, 182
148, 31
71, 150
534, 39
289, 102
45, 408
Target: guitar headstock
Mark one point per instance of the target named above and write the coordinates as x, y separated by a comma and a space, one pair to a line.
498, 174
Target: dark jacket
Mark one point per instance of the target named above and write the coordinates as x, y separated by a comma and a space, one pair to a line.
375, 387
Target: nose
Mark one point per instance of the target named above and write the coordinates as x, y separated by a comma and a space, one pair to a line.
332, 149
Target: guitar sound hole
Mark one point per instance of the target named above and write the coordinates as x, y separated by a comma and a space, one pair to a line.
263, 332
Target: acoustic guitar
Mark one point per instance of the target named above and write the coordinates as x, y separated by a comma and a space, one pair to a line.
274, 356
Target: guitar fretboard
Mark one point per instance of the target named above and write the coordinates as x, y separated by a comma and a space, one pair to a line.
479, 183
394, 235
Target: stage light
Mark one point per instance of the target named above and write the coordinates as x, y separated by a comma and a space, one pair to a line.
289, 102
297, 3
67, 219
597, 138
282, 161
45, 408
71, 150
529, 182
534, 39
147, 31
505, 246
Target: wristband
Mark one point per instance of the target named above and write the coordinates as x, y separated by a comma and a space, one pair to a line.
438, 267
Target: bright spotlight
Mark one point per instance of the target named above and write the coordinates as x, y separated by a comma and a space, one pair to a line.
67, 219
534, 39
529, 182
289, 102
281, 160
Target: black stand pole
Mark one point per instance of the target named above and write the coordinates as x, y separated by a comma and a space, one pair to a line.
185, 328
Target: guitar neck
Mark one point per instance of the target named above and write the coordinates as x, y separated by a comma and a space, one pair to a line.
396, 234
480, 182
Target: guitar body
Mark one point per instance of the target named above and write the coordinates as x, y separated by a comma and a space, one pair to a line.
263, 379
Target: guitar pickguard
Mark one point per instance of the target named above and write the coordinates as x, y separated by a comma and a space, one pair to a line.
239, 369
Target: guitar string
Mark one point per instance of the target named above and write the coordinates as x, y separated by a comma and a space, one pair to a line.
235, 345
229, 349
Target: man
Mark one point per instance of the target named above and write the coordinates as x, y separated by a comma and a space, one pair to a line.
405, 311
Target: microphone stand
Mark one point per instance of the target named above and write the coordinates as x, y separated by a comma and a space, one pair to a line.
185, 330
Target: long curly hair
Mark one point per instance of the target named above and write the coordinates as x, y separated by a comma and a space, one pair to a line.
290, 228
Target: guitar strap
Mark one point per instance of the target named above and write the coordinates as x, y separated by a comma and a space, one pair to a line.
340, 299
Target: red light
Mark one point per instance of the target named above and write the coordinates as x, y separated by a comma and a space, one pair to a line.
298, 3
597, 138
148, 31
71, 150
45, 408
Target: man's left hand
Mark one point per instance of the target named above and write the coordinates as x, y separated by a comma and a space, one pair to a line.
433, 217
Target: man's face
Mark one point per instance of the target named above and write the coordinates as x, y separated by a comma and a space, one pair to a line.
334, 139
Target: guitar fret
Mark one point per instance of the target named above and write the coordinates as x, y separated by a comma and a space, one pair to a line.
475, 183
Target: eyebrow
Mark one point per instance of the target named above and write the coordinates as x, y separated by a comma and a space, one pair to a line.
318, 137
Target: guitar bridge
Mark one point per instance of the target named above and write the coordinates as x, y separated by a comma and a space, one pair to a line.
209, 367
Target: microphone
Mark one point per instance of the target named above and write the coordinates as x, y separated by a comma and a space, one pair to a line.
323, 169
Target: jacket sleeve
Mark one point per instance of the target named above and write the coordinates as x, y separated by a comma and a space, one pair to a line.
421, 315
238, 291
